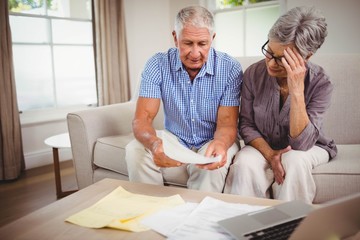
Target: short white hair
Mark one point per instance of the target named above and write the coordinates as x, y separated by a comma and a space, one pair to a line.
196, 16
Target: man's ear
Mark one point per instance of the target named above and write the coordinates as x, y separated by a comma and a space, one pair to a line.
214, 35
175, 38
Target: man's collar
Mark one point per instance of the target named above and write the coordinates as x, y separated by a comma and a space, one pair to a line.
178, 64
209, 64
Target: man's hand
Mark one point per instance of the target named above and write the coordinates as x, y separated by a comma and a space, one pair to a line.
224, 136
160, 158
214, 149
276, 166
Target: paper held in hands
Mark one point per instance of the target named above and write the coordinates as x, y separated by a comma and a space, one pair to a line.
183, 154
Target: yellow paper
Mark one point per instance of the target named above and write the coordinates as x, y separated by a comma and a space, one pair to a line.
123, 210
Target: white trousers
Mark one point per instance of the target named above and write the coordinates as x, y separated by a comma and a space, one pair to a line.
141, 168
250, 174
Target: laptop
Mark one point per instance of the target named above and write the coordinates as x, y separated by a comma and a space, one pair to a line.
337, 219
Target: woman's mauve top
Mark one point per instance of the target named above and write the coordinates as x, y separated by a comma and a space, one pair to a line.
261, 117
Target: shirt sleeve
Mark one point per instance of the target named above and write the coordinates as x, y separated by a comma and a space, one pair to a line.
247, 128
150, 86
318, 100
231, 95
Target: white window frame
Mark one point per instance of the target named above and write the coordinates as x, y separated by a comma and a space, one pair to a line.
55, 113
211, 5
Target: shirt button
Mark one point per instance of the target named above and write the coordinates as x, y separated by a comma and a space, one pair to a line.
193, 120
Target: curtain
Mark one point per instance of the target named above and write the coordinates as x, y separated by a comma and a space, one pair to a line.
11, 151
110, 52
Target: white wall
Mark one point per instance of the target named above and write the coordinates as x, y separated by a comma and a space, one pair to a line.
343, 19
149, 25
36, 126
36, 152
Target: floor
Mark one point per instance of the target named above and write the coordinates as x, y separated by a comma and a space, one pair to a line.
33, 190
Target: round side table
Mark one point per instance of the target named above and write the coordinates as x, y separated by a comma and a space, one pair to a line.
56, 142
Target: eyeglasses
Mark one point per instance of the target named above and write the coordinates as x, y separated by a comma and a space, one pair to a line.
270, 55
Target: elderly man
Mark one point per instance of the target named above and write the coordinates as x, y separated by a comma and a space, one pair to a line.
200, 90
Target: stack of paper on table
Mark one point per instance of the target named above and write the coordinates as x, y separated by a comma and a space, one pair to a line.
197, 220
123, 210
169, 216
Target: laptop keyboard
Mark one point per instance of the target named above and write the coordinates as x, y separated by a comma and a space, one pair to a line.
278, 232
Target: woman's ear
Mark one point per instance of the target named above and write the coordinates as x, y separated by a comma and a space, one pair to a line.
308, 56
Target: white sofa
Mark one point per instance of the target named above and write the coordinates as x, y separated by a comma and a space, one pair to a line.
99, 136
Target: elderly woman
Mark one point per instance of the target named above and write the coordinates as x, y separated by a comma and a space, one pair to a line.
283, 102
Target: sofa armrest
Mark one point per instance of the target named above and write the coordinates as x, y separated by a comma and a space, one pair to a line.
86, 126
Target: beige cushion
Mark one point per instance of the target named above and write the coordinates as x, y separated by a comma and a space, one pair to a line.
346, 162
109, 153
332, 186
341, 176
341, 122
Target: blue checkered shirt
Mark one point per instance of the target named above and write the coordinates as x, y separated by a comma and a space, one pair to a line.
190, 107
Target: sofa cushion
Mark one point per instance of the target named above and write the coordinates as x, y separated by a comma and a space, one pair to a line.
109, 153
347, 161
340, 177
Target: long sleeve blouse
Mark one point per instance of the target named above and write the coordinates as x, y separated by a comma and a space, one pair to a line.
262, 117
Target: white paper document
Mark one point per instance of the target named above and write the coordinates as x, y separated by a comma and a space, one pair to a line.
165, 222
200, 222
183, 154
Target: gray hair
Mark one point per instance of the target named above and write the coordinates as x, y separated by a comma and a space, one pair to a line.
303, 26
196, 16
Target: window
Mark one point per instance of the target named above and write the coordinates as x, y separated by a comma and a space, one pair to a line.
53, 53
242, 25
